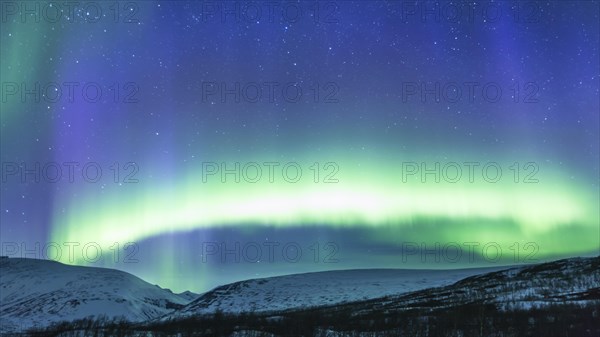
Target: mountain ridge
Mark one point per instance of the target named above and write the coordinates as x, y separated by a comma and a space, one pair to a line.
36, 292
360, 296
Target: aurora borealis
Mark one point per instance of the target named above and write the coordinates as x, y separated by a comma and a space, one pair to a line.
188, 89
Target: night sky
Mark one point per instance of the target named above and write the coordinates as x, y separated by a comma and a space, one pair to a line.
188, 89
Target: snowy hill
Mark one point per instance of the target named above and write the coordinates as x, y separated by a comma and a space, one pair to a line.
39, 292
575, 280
559, 298
317, 289
550, 299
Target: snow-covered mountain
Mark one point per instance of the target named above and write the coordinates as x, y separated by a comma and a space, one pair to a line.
559, 298
317, 289
40, 292
573, 281
555, 298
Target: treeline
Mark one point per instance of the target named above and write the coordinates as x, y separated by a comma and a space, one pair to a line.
466, 320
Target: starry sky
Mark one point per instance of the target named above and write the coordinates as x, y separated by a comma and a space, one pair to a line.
163, 97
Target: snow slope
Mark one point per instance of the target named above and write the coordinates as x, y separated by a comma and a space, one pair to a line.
316, 289
562, 282
39, 292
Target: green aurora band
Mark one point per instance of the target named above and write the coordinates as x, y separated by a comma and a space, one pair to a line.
504, 210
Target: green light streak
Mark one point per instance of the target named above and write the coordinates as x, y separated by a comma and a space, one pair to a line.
359, 199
